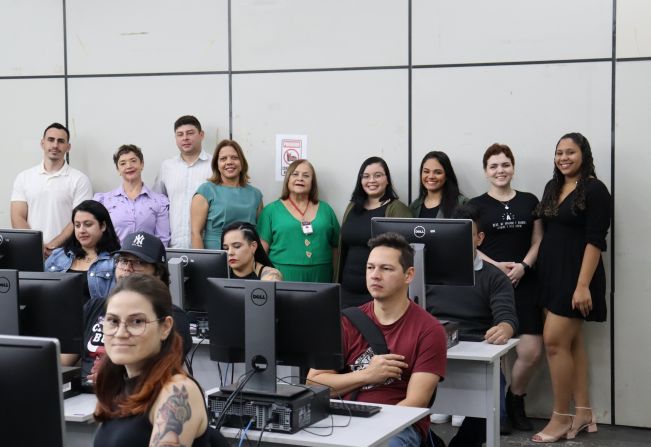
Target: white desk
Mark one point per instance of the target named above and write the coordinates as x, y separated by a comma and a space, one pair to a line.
472, 384
373, 431
80, 425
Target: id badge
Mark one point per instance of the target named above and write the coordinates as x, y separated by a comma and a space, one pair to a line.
307, 228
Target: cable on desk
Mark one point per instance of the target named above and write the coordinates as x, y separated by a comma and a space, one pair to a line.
245, 431
194, 350
264, 427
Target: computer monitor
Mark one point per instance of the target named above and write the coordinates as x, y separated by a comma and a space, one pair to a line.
9, 302
30, 385
289, 323
448, 254
21, 250
197, 266
51, 305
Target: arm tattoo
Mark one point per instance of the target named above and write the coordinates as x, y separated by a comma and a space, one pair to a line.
171, 416
270, 274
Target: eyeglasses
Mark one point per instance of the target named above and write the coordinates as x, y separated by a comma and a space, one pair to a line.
375, 176
133, 325
137, 265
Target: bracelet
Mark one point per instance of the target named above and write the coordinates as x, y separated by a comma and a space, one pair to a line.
526, 266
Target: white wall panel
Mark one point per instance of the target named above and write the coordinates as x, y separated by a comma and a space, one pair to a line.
633, 31
633, 211
109, 112
347, 116
29, 106
31, 38
472, 31
281, 34
124, 36
463, 110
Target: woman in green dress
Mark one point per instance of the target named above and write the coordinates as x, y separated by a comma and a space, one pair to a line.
225, 198
299, 231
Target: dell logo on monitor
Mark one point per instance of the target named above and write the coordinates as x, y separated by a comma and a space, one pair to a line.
259, 297
419, 231
4, 285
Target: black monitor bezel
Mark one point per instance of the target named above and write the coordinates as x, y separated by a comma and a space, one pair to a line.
28, 256
226, 319
194, 281
457, 268
51, 314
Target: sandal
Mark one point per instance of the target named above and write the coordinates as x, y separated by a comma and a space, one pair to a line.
542, 437
590, 427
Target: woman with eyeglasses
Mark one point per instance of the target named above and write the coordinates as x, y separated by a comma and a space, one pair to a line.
246, 256
141, 253
373, 196
88, 250
299, 231
144, 397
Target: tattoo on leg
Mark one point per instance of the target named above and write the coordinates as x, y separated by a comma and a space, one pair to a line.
171, 416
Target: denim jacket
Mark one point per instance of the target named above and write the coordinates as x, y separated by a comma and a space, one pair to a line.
101, 273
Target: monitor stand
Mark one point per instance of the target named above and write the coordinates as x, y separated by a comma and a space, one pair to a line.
9, 320
417, 285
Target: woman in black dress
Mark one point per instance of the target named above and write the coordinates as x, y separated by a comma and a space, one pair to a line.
373, 197
575, 209
512, 237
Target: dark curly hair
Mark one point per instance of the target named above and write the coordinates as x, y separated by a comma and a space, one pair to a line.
548, 206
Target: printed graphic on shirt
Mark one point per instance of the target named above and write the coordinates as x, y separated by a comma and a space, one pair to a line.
362, 362
95, 344
508, 221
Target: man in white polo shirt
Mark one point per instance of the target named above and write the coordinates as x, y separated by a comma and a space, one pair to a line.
180, 176
44, 196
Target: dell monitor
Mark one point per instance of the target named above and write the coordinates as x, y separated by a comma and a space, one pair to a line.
189, 271
9, 302
51, 305
449, 252
21, 250
30, 385
293, 323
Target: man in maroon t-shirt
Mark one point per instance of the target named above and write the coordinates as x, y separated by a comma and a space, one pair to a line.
416, 362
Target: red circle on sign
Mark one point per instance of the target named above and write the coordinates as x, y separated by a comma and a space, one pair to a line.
291, 155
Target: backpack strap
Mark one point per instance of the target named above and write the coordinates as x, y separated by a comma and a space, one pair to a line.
369, 330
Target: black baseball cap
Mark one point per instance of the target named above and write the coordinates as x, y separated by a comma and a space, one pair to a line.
145, 246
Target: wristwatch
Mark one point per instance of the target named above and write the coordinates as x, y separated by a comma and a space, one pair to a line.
526, 266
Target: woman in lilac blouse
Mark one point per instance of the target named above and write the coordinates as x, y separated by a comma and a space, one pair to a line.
133, 206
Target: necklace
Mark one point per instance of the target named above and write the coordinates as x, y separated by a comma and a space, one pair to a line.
297, 209
506, 204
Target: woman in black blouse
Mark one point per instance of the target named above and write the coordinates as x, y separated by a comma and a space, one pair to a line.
575, 209
439, 190
373, 197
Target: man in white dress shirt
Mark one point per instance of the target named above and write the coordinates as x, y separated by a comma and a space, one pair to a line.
180, 176
43, 196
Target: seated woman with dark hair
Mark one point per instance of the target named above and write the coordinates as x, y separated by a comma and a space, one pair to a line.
247, 258
143, 395
88, 249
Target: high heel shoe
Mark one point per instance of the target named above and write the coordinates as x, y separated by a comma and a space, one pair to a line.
590, 427
542, 437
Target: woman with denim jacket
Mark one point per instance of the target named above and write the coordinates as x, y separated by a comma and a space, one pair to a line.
89, 249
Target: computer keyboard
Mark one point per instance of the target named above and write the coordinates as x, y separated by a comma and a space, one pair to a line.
357, 410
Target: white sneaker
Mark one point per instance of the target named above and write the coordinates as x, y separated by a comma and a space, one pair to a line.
457, 420
436, 418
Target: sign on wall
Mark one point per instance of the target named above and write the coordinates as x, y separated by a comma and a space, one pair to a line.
288, 149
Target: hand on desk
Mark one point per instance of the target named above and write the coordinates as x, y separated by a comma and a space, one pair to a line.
499, 334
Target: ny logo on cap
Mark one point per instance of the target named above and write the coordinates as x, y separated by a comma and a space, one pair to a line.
138, 240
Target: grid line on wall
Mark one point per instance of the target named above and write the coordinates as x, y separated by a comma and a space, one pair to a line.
409, 68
